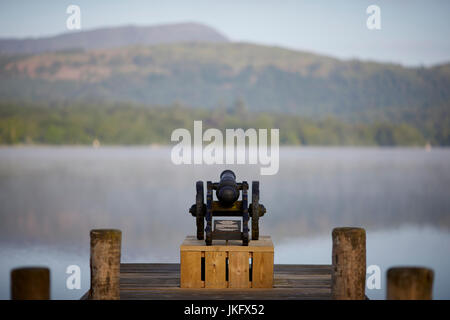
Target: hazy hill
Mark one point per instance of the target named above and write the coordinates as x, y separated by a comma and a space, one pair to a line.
211, 75
133, 85
114, 37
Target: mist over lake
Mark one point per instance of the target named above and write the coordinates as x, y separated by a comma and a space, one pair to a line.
52, 196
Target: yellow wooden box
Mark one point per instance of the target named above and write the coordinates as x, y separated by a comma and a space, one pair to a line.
226, 264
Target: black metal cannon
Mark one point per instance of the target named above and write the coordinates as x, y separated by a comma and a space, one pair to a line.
228, 204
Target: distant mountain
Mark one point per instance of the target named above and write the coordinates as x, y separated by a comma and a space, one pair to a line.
212, 75
114, 37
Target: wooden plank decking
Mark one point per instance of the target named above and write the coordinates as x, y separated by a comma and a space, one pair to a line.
156, 281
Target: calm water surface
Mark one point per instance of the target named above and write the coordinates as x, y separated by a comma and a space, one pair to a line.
51, 197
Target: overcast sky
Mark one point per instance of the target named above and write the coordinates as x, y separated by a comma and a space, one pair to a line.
412, 32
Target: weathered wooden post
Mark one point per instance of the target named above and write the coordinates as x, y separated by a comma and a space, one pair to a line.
409, 283
348, 277
31, 283
105, 264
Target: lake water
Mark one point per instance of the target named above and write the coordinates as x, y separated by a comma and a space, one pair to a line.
50, 197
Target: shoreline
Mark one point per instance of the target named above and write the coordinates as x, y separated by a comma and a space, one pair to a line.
163, 146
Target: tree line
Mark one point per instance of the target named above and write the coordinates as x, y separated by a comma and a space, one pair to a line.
80, 123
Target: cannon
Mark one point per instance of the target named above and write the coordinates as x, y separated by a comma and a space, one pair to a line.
227, 204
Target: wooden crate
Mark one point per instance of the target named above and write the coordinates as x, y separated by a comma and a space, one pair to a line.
226, 265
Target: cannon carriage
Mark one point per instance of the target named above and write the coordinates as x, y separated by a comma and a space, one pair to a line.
228, 192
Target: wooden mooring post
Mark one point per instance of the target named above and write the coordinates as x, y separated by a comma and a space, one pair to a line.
30, 283
409, 283
105, 264
348, 275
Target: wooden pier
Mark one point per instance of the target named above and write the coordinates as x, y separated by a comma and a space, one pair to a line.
156, 281
345, 279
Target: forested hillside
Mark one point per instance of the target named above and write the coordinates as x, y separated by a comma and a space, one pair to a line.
82, 123
216, 74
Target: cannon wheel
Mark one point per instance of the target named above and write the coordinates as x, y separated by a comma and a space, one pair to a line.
245, 213
199, 203
245, 240
208, 239
255, 210
209, 199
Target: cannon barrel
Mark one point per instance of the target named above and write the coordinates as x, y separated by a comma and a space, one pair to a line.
227, 190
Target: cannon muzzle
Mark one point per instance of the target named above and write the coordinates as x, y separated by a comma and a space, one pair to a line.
227, 190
